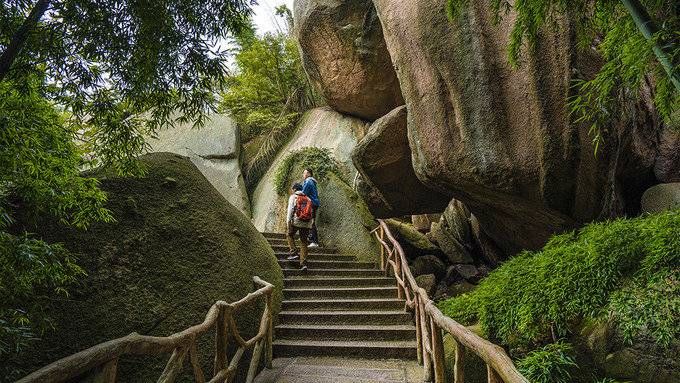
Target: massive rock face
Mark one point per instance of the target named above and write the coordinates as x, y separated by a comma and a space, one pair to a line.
499, 138
383, 157
344, 53
177, 247
215, 150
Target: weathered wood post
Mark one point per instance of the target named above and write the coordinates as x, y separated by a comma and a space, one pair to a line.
459, 367
437, 352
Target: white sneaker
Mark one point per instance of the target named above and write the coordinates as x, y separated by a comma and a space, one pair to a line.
313, 244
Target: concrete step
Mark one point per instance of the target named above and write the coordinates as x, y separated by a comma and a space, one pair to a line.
314, 264
384, 304
340, 292
295, 271
356, 349
324, 281
311, 250
345, 332
321, 257
345, 317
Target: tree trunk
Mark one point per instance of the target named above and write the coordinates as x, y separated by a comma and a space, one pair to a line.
19, 38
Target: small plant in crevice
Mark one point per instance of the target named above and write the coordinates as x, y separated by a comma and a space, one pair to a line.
319, 160
550, 364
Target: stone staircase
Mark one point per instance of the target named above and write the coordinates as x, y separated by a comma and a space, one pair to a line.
339, 307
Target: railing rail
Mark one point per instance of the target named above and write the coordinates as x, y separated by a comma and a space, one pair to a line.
430, 322
100, 362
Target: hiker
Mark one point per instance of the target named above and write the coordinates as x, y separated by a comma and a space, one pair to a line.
299, 218
310, 190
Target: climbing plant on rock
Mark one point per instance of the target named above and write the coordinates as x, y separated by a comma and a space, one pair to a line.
319, 160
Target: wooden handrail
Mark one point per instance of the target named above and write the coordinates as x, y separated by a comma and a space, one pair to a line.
430, 322
101, 361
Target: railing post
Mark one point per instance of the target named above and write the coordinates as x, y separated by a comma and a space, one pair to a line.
437, 352
270, 333
492, 376
459, 367
221, 340
427, 361
174, 366
400, 273
383, 262
419, 330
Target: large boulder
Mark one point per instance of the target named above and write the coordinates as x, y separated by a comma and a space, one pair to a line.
215, 150
453, 233
661, 197
383, 157
500, 139
176, 248
344, 54
344, 219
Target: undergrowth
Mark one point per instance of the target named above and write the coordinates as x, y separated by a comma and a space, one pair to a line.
318, 159
550, 364
627, 270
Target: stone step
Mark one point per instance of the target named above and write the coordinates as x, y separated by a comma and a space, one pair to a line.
345, 332
295, 271
339, 292
385, 304
345, 317
323, 281
356, 349
314, 264
274, 235
321, 257
311, 250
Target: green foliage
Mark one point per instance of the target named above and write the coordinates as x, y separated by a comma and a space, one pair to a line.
319, 160
550, 364
607, 27
40, 161
31, 273
609, 380
267, 94
627, 269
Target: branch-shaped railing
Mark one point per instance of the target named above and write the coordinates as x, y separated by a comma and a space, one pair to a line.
430, 322
100, 362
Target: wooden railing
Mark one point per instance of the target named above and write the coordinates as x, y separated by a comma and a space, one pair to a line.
99, 363
430, 322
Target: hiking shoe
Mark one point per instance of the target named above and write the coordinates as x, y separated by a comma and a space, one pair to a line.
303, 268
313, 244
293, 257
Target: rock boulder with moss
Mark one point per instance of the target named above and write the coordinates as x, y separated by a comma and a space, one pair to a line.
176, 248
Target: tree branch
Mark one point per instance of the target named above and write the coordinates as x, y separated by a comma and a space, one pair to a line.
19, 38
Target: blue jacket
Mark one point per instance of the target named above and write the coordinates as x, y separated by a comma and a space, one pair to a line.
309, 189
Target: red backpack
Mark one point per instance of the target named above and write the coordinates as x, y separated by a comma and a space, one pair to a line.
304, 211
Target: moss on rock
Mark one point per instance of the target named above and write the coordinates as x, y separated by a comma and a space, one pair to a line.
176, 248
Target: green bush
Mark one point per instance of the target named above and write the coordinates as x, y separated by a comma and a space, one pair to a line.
627, 269
550, 364
319, 160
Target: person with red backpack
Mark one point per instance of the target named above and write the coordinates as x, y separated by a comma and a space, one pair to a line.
299, 218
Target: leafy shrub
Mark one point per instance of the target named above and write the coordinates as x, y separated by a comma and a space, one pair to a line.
319, 160
627, 268
31, 273
550, 364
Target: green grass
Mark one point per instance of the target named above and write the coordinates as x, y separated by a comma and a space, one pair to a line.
627, 269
